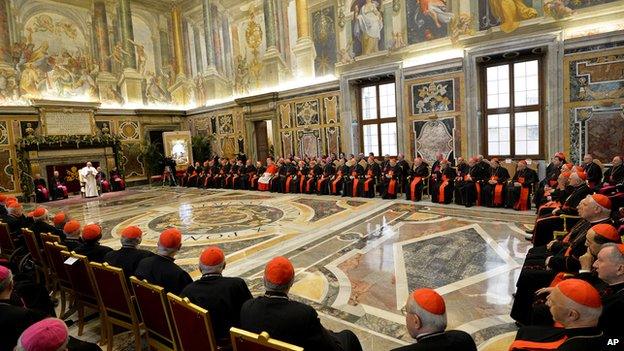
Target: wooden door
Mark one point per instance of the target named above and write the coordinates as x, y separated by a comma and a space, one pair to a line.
262, 140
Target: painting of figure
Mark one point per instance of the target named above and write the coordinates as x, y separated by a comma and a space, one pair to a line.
427, 20
367, 27
324, 41
506, 13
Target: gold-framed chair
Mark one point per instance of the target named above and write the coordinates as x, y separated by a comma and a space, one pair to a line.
37, 257
59, 273
510, 167
118, 305
84, 292
243, 340
49, 237
155, 312
192, 324
568, 222
7, 243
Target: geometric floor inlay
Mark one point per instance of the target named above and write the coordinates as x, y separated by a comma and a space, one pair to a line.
443, 260
356, 259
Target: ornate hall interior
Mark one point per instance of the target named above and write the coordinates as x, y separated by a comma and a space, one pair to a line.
382, 147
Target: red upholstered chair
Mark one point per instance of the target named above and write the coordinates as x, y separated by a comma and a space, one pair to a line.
58, 272
116, 301
85, 295
243, 340
193, 325
155, 313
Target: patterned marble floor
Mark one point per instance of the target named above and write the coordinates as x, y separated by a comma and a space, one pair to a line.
356, 260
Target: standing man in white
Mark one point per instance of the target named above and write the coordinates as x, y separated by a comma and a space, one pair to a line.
88, 174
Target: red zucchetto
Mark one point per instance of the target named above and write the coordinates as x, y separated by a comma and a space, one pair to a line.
279, 271
429, 300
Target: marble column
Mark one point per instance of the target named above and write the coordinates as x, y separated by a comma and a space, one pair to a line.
105, 79
180, 91
269, 25
5, 40
127, 34
130, 81
273, 62
210, 52
304, 48
198, 53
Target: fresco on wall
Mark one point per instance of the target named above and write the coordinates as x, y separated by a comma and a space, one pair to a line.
427, 20
76, 51
323, 25
53, 60
505, 13
367, 27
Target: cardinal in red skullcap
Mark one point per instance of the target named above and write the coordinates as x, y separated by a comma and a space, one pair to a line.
518, 192
222, 296
576, 305
425, 319
129, 255
41, 225
161, 269
552, 261
91, 247
287, 320
608, 267
444, 186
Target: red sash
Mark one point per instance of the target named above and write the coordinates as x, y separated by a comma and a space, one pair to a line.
391, 184
519, 345
478, 187
301, 181
523, 201
254, 180
335, 182
413, 186
498, 192
288, 179
441, 191
309, 184
319, 184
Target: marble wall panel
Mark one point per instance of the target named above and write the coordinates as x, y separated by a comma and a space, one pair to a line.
132, 163
435, 114
593, 103
287, 143
6, 172
4, 133
433, 136
309, 142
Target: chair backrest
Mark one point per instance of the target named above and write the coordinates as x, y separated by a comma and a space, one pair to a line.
33, 246
153, 305
57, 265
510, 167
7, 245
243, 340
193, 325
48, 237
78, 272
113, 293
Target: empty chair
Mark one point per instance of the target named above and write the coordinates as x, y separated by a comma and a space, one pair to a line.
117, 303
243, 340
78, 272
193, 325
154, 308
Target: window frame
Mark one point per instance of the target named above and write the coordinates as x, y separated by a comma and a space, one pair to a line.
512, 109
378, 121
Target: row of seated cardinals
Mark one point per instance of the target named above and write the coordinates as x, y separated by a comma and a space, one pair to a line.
26, 308
476, 182
570, 291
58, 187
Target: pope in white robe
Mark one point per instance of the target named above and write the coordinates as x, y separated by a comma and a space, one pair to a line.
87, 175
